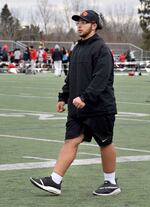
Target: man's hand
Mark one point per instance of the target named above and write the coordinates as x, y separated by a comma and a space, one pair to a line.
60, 106
78, 103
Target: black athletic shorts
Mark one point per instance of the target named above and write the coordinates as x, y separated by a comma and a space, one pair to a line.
100, 128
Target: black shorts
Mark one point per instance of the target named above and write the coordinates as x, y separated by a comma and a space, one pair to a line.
100, 128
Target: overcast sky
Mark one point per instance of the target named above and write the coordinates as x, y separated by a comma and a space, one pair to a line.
24, 7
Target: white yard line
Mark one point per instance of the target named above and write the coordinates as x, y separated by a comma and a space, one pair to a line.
55, 97
120, 148
26, 87
21, 96
139, 120
38, 112
127, 116
58, 141
31, 138
20, 110
86, 153
47, 159
48, 164
120, 113
38, 158
133, 150
133, 103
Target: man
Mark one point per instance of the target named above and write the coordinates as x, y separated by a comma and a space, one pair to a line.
33, 58
57, 58
89, 93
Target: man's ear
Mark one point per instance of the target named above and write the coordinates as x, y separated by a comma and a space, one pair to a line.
94, 26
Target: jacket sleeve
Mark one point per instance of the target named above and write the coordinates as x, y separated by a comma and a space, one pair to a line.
64, 95
101, 74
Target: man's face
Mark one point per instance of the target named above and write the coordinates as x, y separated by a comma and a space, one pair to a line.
85, 28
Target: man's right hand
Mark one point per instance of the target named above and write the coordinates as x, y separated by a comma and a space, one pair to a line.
60, 106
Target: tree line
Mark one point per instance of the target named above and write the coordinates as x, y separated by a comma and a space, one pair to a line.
120, 24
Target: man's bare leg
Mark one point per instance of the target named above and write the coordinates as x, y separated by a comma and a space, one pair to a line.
108, 156
110, 187
67, 155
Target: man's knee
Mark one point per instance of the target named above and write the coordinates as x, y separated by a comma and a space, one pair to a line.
75, 141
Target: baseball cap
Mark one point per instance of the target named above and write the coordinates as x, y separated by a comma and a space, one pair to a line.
89, 16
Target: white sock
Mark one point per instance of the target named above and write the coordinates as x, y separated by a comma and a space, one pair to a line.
110, 177
56, 178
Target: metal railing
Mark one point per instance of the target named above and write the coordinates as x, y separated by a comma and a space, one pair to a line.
118, 48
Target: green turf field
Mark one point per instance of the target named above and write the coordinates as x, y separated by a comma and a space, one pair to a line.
31, 134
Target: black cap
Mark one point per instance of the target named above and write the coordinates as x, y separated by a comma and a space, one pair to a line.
89, 16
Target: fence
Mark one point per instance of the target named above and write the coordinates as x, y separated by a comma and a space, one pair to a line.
118, 48
124, 47
48, 44
12, 44
146, 55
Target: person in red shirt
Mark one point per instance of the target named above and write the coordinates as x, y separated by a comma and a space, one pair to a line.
122, 57
33, 57
33, 53
45, 55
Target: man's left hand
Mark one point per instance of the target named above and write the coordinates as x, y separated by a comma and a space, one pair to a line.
78, 103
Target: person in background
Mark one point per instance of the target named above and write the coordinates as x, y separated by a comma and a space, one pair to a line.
1, 54
57, 58
130, 55
45, 56
11, 56
88, 91
122, 58
33, 57
26, 60
17, 56
65, 60
5, 56
26, 55
40, 56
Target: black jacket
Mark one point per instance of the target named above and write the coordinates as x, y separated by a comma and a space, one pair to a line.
57, 55
91, 75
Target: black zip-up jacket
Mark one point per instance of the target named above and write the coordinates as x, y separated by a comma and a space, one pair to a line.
57, 55
91, 76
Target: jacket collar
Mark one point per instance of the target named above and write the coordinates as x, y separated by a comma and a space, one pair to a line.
89, 40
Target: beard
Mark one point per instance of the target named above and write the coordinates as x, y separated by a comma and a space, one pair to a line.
85, 34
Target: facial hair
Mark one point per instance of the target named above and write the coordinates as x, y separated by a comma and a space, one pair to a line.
86, 33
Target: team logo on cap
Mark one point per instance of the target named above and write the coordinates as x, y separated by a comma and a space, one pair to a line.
84, 14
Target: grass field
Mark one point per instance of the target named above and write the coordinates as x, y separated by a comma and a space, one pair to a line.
31, 134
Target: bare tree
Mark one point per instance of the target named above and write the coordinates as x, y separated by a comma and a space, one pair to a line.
91, 4
18, 15
71, 7
76, 5
46, 12
67, 13
122, 23
33, 18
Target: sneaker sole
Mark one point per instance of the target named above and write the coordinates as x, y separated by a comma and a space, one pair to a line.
115, 192
49, 189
